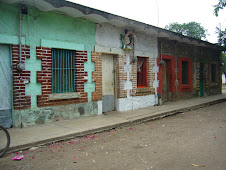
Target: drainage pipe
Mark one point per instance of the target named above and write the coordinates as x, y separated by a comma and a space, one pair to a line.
20, 36
20, 65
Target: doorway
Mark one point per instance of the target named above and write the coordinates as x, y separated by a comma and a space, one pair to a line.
5, 87
165, 81
201, 79
108, 83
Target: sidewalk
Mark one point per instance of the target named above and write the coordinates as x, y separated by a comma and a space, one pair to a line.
22, 138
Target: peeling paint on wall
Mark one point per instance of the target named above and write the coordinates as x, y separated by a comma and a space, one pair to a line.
108, 41
36, 116
52, 27
137, 102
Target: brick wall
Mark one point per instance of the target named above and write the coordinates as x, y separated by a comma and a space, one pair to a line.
80, 74
121, 76
151, 74
45, 77
20, 100
97, 76
133, 78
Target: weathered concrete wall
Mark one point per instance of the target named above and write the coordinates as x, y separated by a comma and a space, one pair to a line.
43, 115
109, 36
137, 102
108, 41
51, 30
146, 45
199, 55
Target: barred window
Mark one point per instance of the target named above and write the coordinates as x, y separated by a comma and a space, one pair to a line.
142, 72
63, 71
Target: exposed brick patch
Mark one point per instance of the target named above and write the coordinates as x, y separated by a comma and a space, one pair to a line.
20, 100
151, 73
80, 74
121, 78
133, 78
45, 77
97, 76
150, 77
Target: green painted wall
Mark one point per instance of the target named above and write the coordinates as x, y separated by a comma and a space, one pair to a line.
61, 30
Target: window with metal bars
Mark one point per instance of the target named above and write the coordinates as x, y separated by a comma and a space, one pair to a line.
63, 71
141, 72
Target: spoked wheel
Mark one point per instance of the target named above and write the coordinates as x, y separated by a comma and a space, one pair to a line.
4, 141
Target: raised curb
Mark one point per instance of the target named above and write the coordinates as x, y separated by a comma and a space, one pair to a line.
130, 121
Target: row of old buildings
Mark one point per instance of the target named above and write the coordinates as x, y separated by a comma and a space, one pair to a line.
61, 60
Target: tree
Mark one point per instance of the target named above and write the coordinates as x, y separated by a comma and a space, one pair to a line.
221, 37
221, 4
224, 62
191, 29
221, 34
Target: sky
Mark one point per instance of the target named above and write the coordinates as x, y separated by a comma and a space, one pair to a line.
162, 12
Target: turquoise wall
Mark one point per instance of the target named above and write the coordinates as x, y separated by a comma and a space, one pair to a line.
47, 29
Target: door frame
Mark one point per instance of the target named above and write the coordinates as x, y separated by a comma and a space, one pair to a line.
167, 66
115, 78
172, 74
11, 66
115, 62
201, 91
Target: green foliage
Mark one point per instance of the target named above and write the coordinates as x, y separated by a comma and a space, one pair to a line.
224, 62
222, 37
221, 4
191, 29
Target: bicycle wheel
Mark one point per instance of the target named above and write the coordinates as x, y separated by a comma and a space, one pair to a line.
4, 141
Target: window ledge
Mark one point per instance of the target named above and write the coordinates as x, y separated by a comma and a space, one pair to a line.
60, 96
143, 90
186, 87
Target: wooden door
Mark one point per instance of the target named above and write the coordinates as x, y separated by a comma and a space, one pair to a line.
108, 83
165, 81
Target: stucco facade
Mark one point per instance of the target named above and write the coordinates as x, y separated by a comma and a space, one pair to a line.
115, 63
128, 96
43, 31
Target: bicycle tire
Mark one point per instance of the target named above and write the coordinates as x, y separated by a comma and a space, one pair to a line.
6, 147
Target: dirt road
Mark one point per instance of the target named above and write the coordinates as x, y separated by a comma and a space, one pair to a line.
191, 140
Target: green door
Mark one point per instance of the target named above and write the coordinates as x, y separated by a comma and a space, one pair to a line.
5, 87
201, 80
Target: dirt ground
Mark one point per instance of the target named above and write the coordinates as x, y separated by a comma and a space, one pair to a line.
190, 140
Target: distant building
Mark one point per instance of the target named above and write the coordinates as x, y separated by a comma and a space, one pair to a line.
223, 79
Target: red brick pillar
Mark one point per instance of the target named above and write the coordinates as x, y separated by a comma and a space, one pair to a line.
20, 100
